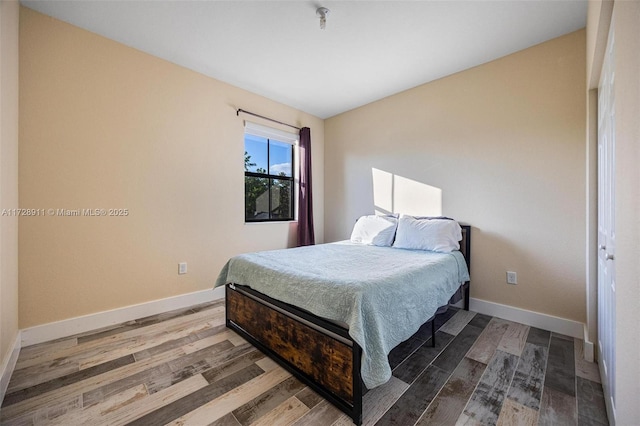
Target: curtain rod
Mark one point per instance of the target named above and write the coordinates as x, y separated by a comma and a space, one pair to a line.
266, 118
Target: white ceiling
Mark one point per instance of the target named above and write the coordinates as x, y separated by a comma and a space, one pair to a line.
369, 49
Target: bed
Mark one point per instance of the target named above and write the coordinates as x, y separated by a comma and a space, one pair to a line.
331, 313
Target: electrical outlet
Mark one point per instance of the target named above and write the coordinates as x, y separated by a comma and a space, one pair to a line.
512, 277
182, 268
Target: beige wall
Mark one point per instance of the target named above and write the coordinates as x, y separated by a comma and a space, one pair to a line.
627, 209
8, 178
627, 189
106, 126
501, 147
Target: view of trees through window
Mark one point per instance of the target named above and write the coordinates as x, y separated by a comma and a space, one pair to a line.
268, 179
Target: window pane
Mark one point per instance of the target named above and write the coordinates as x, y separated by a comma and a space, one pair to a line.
255, 154
256, 198
280, 156
281, 205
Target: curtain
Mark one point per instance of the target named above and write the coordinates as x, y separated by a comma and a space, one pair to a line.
305, 203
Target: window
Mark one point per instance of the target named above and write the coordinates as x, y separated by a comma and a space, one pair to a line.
268, 174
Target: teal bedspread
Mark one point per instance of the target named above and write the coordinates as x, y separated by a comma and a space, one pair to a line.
383, 294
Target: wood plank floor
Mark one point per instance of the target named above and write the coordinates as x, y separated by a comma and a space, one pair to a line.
185, 368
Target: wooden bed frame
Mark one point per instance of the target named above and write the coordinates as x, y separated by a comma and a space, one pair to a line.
318, 352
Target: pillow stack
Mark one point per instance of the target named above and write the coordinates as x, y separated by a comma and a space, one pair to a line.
375, 230
408, 232
442, 235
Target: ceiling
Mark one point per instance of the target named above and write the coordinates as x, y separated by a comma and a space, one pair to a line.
369, 49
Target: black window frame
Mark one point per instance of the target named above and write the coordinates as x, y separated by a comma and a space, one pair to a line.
271, 178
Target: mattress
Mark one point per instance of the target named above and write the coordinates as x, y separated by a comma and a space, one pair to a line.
383, 294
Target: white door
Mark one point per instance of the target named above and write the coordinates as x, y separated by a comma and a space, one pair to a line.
606, 224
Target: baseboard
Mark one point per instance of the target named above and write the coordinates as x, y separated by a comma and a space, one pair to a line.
588, 346
82, 324
9, 365
535, 319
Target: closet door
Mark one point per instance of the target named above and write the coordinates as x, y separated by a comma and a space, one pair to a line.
606, 224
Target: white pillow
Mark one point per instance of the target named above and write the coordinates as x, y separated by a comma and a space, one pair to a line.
374, 230
440, 235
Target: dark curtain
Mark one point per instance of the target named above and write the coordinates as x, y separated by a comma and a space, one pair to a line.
305, 203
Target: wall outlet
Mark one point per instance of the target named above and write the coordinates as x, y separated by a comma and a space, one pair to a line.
182, 268
512, 277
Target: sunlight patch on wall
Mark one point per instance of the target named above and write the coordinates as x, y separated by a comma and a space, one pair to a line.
382, 191
398, 194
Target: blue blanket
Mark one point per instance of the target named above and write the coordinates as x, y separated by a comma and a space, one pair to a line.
383, 294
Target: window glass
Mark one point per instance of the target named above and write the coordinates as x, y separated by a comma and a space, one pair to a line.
268, 179
255, 153
280, 158
256, 198
281, 205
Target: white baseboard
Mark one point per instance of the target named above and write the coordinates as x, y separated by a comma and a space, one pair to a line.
71, 326
535, 319
588, 346
8, 366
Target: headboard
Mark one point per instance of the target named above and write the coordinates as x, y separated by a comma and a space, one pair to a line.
465, 244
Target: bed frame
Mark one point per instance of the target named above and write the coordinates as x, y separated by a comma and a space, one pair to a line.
318, 352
